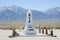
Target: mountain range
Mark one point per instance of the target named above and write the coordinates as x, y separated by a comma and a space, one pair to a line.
17, 13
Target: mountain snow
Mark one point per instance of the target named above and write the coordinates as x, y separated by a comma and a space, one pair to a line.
12, 13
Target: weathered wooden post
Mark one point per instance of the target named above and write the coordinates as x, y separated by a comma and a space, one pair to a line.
42, 31
14, 33
39, 30
51, 32
46, 31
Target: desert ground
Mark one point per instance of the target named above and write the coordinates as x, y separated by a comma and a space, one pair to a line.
6, 30
4, 35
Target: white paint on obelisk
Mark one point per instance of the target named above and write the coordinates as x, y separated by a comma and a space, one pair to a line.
29, 29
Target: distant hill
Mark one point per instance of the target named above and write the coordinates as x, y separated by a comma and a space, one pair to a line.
54, 13
17, 13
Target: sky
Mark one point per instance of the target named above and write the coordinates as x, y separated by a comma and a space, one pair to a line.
40, 5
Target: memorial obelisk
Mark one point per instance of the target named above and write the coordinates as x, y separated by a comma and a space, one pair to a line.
29, 29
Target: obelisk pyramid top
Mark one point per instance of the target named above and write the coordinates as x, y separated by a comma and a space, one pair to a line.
29, 10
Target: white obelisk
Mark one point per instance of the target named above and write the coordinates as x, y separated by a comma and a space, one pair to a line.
29, 29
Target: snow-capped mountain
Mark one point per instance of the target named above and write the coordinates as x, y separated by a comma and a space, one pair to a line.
54, 12
12, 13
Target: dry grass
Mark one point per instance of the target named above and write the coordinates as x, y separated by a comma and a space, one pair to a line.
21, 25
